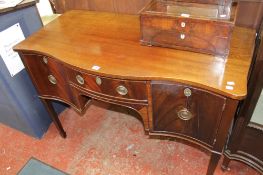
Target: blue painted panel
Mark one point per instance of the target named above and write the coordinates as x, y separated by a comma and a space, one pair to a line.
20, 106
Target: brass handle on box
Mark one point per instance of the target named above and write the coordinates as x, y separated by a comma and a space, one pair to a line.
122, 90
182, 36
79, 79
52, 79
184, 114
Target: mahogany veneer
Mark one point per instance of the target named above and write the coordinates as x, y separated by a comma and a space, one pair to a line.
169, 99
88, 55
246, 140
102, 85
203, 28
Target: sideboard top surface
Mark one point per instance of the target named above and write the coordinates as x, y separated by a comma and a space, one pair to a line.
85, 39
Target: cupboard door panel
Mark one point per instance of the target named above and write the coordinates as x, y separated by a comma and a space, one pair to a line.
186, 111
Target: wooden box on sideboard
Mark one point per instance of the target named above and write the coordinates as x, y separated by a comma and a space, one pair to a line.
189, 25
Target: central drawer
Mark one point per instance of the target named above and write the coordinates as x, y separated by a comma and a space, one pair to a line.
117, 88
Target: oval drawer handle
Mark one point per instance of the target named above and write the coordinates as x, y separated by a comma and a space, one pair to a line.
45, 59
79, 79
52, 79
184, 114
183, 24
98, 80
122, 90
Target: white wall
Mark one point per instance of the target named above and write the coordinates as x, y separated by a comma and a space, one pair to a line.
258, 113
44, 8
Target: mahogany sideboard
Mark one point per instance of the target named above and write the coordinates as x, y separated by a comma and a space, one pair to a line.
86, 55
246, 140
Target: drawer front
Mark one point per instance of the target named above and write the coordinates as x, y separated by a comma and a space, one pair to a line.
205, 37
187, 25
186, 111
214, 45
48, 76
126, 89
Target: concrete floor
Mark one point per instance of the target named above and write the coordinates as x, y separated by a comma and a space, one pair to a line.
105, 142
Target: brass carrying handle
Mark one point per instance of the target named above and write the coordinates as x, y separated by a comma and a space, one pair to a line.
80, 79
52, 79
122, 90
185, 114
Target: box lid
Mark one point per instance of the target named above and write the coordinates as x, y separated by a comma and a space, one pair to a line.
218, 2
190, 9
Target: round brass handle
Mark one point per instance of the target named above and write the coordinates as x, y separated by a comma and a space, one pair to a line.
184, 114
45, 60
98, 80
79, 79
52, 79
122, 90
187, 92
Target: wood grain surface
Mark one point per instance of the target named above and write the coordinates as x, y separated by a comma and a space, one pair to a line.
205, 109
248, 15
111, 41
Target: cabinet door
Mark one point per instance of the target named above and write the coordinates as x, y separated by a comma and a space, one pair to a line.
186, 111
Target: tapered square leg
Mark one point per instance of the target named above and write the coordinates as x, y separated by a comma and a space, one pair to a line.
213, 163
225, 164
54, 117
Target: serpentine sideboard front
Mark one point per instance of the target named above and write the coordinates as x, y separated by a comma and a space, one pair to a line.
89, 55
